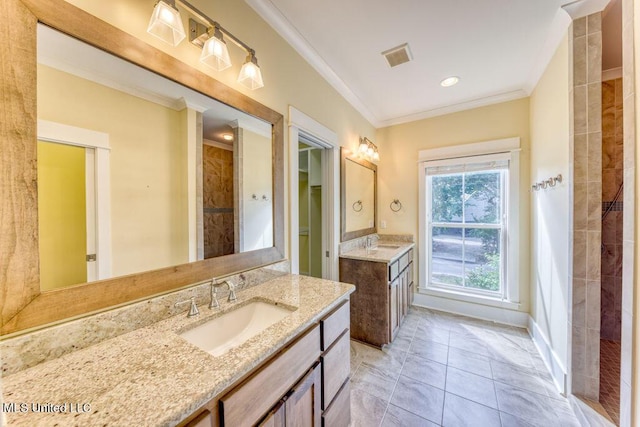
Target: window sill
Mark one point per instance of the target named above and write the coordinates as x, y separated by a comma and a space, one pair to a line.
476, 299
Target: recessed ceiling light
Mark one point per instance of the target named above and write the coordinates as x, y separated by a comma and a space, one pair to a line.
449, 81
227, 137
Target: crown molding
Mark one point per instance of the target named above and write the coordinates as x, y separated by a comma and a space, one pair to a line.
579, 8
272, 15
454, 108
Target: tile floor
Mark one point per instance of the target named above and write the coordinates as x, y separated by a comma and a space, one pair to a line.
610, 378
447, 370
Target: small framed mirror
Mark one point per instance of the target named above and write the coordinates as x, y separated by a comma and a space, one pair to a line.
358, 196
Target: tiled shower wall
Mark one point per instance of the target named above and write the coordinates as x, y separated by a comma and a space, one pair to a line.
612, 174
218, 210
586, 134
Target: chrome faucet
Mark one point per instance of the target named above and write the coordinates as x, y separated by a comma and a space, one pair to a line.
193, 308
214, 291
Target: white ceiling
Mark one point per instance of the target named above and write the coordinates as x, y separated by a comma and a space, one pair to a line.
498, 48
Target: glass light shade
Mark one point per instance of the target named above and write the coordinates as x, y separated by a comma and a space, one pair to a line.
166, 24
376, 156
363, 146
215, 53
250, 74
370, 151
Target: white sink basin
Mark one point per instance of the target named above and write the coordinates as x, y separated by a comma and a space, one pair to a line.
233, 328
388, 246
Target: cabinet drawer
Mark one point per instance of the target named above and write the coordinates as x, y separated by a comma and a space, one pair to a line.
393, 270
410, 253
247, 403
334, 324
403, 261
339, 413
336, 366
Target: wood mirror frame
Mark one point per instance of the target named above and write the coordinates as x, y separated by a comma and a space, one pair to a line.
348, 235
23, 305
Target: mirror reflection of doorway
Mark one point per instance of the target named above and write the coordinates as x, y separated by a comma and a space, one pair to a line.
218, 199
66, 214
311, 209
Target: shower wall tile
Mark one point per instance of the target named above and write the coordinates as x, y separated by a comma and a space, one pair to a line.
612, 224
594, 24
589, 157
594, 161
593, 307
580, 109
579, 303
580, 60
579, 27
581, 158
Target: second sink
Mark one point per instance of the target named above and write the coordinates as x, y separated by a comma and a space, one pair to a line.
219, 335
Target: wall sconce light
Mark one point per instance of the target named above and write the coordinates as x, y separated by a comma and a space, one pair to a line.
166, 24
368, 149
215, 52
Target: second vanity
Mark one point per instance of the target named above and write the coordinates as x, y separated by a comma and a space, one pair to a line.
297, 369
383, 277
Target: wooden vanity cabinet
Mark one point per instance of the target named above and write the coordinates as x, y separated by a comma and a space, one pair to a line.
384, 292
304, 384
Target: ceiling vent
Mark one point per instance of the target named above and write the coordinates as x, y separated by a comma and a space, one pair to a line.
398, 55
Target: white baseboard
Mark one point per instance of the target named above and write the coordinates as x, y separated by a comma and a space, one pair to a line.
551, 360
478, 311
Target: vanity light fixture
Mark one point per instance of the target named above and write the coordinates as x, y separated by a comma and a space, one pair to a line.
166, 23
206, 33
250, 74
450, 81
215, 52
368, 149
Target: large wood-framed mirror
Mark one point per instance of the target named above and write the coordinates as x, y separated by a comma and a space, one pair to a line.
358, 196
26, 303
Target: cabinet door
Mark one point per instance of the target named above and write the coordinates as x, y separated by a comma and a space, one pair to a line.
303, 401
404, 285
394, 320
275, 417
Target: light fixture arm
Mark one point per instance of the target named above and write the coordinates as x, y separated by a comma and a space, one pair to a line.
216, 25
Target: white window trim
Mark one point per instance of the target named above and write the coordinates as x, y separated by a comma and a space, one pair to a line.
510, 146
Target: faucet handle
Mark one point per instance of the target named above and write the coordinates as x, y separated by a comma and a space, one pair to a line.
193, 309
232, 291
214, 299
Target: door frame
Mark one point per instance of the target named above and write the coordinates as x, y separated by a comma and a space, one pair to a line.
301, 126
99, 141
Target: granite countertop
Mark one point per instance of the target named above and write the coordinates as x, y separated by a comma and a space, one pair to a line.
386, 251
153, 377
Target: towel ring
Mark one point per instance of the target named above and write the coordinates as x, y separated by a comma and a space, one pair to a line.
357, 203
396, 203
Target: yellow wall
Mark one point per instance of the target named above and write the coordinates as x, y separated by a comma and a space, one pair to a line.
62, 218
148, 160
398, 174
550, 210
257, 216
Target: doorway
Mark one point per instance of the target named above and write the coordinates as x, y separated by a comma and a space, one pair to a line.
311, 234
307, 134
74, 205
